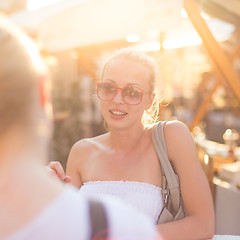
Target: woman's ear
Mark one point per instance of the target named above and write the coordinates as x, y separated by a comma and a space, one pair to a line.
42, 91
44, 99
151, 98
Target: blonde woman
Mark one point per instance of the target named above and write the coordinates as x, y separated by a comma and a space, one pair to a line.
123, 162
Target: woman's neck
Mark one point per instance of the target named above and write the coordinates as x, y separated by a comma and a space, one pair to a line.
129, 140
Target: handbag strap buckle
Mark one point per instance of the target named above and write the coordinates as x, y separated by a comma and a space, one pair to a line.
165, 194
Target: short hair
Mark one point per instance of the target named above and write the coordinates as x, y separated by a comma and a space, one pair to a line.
20, 71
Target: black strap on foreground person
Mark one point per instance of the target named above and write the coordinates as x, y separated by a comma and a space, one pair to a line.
98, 218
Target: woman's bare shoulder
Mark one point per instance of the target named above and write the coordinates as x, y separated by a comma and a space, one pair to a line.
175, 124
176, 128
86, 145
179, 141
83, 151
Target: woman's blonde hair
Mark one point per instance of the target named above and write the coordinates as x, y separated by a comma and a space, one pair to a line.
151, 115
20, 71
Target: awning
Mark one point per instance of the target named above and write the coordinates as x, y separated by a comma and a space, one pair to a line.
71, 24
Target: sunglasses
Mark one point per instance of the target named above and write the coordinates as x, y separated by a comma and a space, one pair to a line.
131, 94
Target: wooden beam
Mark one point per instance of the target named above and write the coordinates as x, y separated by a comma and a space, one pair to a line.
220, 59
235, 54
204, 106
223, 64
206, 102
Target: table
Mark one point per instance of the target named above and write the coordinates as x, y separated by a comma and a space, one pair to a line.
227, 208
212, 155
225, 237
226, 196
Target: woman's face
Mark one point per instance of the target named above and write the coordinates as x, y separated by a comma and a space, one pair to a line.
122, 72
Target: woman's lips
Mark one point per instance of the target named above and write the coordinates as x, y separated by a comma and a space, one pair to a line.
118, 114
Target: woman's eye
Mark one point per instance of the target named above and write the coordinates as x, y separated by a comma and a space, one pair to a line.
131, 92
109, 88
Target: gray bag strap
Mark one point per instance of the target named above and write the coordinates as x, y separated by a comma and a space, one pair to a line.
98, 218
167, 170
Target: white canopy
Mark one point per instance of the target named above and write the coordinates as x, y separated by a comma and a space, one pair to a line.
32, 21
75, 23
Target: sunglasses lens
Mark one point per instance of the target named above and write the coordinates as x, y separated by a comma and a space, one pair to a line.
132, 95
106, 91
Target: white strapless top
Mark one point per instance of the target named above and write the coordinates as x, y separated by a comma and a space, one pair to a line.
144, 196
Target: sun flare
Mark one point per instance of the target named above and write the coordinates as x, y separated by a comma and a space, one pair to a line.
35, 4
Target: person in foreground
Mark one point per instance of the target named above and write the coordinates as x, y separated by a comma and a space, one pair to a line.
33, 204
123, 162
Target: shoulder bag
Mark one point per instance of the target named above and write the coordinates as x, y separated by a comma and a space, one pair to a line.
173, 207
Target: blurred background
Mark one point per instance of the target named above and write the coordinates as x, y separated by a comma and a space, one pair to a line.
196, 44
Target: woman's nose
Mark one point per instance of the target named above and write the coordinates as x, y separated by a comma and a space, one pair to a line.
118, 96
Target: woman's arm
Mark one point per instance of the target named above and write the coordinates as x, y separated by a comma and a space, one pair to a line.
74, 163
200, 223
77, 156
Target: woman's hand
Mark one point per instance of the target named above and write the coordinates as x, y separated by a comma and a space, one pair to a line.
55, 168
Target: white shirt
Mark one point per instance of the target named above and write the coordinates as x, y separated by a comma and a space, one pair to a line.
67, 218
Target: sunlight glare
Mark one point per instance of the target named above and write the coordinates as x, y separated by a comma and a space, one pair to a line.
206, 159
35, 4
184, 13
132, 38
182, 42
